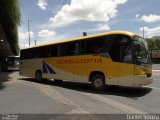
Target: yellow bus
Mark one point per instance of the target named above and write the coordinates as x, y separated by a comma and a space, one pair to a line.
111, 58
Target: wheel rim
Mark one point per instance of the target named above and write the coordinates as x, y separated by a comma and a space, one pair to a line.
98, 82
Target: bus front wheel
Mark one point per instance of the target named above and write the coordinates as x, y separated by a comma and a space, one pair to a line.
38, 75
98, 82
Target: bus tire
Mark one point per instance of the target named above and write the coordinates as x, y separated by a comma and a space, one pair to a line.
58, 81
38, 75
98, 82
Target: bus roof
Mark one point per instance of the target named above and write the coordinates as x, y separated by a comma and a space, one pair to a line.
89, 36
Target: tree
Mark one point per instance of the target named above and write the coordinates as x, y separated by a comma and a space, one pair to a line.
10, 18
154, 43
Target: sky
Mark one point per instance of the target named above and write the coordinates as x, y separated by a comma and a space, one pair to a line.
53, 20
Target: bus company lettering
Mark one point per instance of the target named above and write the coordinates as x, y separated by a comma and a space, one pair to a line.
80, 61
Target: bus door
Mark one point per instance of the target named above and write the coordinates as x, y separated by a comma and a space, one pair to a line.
112, 49
125, 66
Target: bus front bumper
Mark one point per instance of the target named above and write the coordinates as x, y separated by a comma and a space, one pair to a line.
142, 80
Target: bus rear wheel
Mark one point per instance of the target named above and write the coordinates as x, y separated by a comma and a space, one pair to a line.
58, 81
38, 75
98, 82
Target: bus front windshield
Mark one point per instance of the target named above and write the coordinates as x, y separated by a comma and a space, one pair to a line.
141, 51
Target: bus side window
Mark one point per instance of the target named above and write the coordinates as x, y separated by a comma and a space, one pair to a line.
81, 47
37, 52
59, 50
121, 50
113, 50
71, 48
108, 40
125, 48
63, 49
22, 54
76, 48
43, 52
54, 50
49, 53
67, 49
94, 45
126, 54
29, 54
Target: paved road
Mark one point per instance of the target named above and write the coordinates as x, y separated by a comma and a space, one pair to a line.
25, 95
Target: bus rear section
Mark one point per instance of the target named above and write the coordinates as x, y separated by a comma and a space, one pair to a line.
12, 63
118, 58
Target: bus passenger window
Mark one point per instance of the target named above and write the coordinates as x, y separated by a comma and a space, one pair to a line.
71, 48
54, 50
94, 45
121, 50
49, 51
126, 54
44, 52
82, 48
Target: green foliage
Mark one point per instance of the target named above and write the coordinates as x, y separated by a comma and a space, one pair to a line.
154, 43
10, 18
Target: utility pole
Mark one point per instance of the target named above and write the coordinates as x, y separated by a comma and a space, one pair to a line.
29, 32
35, 42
